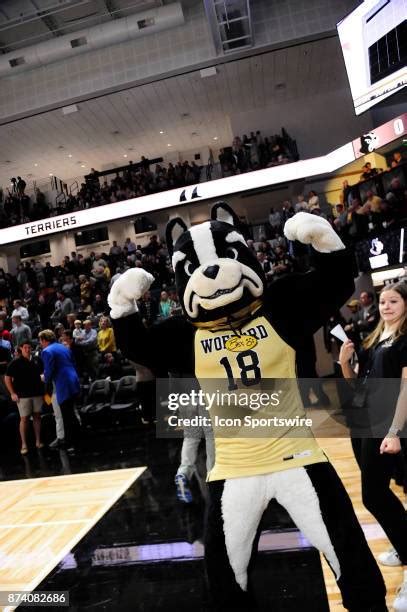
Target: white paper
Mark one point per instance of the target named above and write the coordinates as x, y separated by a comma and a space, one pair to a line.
339, 333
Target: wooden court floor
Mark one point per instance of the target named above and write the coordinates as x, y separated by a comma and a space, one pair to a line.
340, 453
42, 519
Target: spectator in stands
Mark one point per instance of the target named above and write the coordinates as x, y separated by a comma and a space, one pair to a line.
20, 332
89, 348
105, 338
115, 249
265, 264
5, 352
148, 309
397, 159
130, 246
351, 324
367, 172
20, 310
84, 310
99, 306
367, 316
20, 186
23, 382
85, 287
63, 307
275, 220
110, 367
283, 263
59, 369
78, 332
373, 201
165, 305
313, 201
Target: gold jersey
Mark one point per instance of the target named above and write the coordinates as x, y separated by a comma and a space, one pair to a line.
233, 372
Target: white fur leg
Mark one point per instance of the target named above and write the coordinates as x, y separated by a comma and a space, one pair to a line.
243, 504
296, 493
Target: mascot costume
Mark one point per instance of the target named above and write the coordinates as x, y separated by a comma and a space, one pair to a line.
222, 289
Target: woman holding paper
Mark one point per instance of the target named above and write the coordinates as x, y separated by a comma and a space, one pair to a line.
384, 356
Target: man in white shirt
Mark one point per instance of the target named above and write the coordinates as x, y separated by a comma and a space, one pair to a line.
20, 311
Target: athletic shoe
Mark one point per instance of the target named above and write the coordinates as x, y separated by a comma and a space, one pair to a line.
390, 558
400, 603
183, 491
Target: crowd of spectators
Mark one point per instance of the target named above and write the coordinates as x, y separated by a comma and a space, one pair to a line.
144, 178
255, 152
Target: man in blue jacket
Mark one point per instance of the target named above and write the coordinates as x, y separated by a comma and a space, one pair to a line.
59, 369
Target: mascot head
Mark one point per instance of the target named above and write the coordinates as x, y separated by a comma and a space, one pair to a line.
216, 274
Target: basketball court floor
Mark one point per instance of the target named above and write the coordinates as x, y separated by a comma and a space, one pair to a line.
105, 525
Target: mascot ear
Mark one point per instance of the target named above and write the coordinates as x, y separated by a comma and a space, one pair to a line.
222, 212
175, 228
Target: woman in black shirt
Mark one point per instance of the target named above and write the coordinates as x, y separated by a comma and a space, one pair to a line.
382, 365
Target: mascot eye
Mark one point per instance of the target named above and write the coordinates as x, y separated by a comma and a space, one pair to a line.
231, 253
188, 267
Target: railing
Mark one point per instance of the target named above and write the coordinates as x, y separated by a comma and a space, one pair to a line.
75, 184
61, 197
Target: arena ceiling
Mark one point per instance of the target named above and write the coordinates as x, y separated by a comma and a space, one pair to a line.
26, 22
190, 111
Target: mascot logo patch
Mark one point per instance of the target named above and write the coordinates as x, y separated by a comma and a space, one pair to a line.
369, 142
240, 343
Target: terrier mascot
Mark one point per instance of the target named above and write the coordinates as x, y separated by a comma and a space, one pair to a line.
236, 330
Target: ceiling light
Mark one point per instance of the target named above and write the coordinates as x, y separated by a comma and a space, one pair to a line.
215, 138
51, 174
35, 165
168, 145
161, 132
69, 155
83, 166
125, 155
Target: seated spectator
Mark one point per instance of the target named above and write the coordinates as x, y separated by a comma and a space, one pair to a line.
283, 263
99, 306
106, 340
110, 367
84, 311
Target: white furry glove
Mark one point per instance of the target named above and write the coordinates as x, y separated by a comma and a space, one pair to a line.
128, 288
314, 230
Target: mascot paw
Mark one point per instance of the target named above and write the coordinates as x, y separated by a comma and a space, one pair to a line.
314, 230
128, 288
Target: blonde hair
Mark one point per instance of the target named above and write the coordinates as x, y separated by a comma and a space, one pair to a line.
104, 318
47, 335
373, 338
